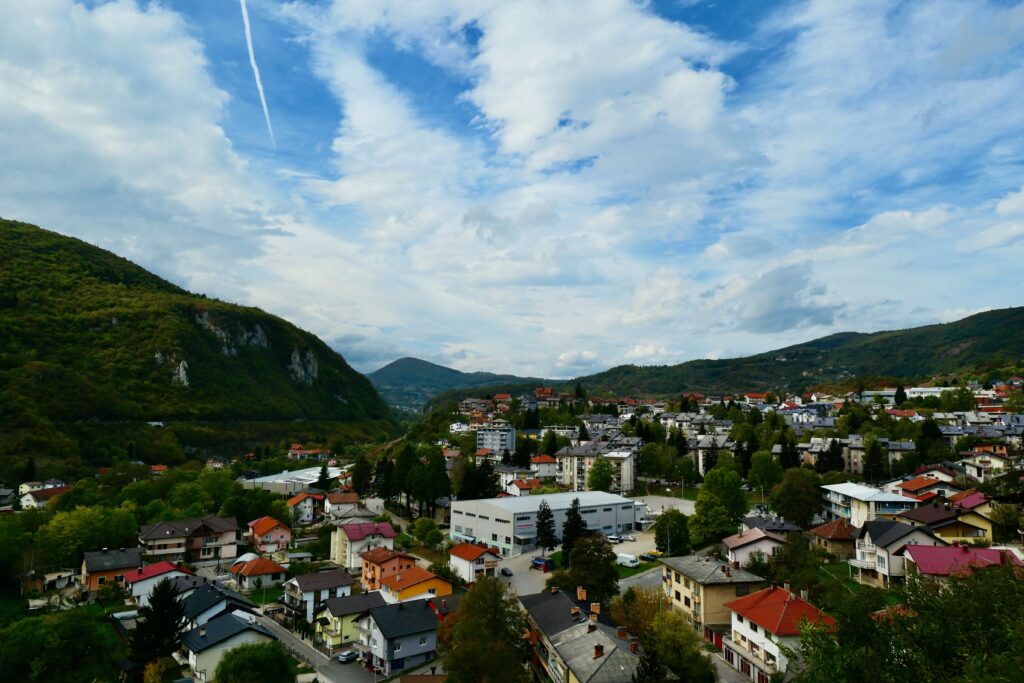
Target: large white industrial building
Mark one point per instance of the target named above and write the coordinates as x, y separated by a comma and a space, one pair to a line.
510, 524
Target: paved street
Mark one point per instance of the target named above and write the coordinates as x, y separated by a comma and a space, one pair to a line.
330, 671
649, 579
726, 674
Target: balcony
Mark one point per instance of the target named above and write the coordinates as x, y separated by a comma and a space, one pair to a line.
862, 564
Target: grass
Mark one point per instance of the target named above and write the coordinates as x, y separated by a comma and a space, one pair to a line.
12, 608
631, 571
429, 554
840, 573
265, 597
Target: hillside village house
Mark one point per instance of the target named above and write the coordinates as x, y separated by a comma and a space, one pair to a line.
143, 580
398, 636
267, 535
754, 542
700, 587
950, 522
859, 504
470, 561
878, 561
837, 537
105, 566
336, 502
350, 541
206, 540
305, 594
210, 601
379, 563
412, 584
764, 623
258, 573
544, 466
574, 463
40, 498
941, 563
204, 646
497, 435
335, 623
306, 507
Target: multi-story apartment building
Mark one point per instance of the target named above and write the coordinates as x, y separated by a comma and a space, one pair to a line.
574, 463
206, 540
497, 436
859, 504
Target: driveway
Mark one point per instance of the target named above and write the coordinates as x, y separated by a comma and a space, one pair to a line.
726, 674
329, 670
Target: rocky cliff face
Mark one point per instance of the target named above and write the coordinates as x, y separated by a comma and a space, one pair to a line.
303, 366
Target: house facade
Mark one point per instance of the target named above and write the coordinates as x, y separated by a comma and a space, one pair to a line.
335, 623
837, 537
753, 542
102, 567
350, 541
305, 594
470, 561
397, 636
205, 646
878, 561
859, 504
306, 507
412, 584
198, 540
700, 587
143, 580
379, 563
267, 535
258, 573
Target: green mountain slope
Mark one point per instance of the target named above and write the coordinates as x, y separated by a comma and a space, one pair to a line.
88, 336
408, 383
990, 339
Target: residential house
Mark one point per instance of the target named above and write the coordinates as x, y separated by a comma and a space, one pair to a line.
837, 537
209, 601
101, 567
40, 498
206, 540
350, 541
544, 466
381, 562
335, 623
7, 497
267, 535
397, 636
972, 499
413, 583
924, 487
306, 507
770, 523
741, 547
981, 466
523, 487
941, 563
764, 626
143, 580
258, 573
878, 561
704, 450
337, 502
305, 594
205, 645
859, 503
950, 522
29, 486
574, 463
508, 474
470, 561
701, 586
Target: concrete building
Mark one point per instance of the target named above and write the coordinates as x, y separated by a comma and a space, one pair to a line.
497, 436
859, 504
574, 463
510, 524
290, 482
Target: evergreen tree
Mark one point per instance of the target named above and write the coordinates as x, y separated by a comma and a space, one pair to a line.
468, 480
650, 669
28, 473
384, 478
874, 461
361, 474
579, 393
573, 529
438, 485
484, 639
790, 454
901, 395
832, 459
584, 434
404, 463
487, 482
550, 442
324, 481
546, 539
158, 629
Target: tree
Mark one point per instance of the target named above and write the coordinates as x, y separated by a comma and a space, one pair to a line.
679, 647
584, 435
650, 668
592, 566
436, 482
72, 645
28, 473
901, 395
263, 662
384, 478
790, 455
550, 442
798, 498
831, 460
874, 460
601, 475
422, 527
325, 481
764, 471
710, 520
727, 461
546, 539
726, 485
636, 609
672, 533
362, 472
159, 624
573, 529
484, 641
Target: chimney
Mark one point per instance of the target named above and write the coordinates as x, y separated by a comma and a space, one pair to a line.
634, 645
554, 589
574, 612
736, 564
202, 631
785, 584
581, 593
803, 594
591, 626
621, 633
593, 619
728, 571
598, 651
595, 608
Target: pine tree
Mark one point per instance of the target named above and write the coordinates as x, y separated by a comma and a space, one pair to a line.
159, 624
324, 481
546, 539
361, 474
901, 395
550, 442
574, 528
650, 669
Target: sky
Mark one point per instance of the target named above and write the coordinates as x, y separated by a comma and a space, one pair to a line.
547, 189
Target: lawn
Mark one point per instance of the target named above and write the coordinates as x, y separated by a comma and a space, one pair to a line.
630, 571
840, 573
265, 597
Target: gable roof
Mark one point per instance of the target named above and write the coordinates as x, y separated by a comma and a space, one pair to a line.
404, 618
258, 567
837, 530
930, 514
576, 646
779, 611
706, 570
768, 523
751, 536
543, 460
184, 527
469, 551
118, 558
918, 483
956, 559
357, 532
299, 497
524, 484
353, 604
553, 612
157, 569
885, 532
209, 595
218, 630
47, 494
407, 578
265, 525
971, 498
333, 578
342, 498
380, 555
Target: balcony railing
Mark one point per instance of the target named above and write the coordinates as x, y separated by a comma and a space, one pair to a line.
862, 564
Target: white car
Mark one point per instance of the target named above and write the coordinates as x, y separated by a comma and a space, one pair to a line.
628, 538
348, 656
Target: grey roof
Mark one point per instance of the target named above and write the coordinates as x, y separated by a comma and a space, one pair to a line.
323, 580
705, 570
557, 501
184, 527
576, 647
404, 618
885, 532
218, 630
552, 612
118, 558
776, 524
353, 604
187, 583
209, 595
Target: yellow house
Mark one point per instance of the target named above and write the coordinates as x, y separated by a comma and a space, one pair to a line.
413, 583
335, 622
700, 587
951, 523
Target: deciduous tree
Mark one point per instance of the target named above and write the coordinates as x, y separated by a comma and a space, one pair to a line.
601, 475
263, 662
798, 498
765, 472
672, 533
485, 641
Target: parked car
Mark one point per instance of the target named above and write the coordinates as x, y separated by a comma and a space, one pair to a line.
629, 538
647, 557
347, 656
614, 539
505, 571
655, 553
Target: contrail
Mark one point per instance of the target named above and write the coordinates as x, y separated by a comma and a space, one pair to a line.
256, 72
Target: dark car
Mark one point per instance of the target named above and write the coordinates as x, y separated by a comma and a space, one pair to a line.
647, 557
505, 571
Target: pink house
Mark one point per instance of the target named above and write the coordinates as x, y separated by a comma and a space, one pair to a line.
268, 535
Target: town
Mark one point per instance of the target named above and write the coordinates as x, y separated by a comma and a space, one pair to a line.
703, 538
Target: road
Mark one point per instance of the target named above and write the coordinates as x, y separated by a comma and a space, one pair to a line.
331, 670
726, 674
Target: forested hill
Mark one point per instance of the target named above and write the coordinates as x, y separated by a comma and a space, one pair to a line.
994, 339
88, 336
409, 383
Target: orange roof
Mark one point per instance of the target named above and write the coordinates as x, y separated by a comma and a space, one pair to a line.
957, 497
543, 459
523, 484
380, 555
407, 578
264, 525
46, 494
918, 483
158, 468
836, 530
779, 612
483, 452
257, 567
299, 497
469, 552
342, 498
502, 397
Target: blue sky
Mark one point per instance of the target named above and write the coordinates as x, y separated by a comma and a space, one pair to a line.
519, 186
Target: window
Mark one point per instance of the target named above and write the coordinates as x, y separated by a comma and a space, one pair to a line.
494, 537
677, 577
458, 528
606, 509
678, 597
523, 518
423, 640
508, 539
753, 627
686, 601
502, 521
485, 517
742, 589
432, 591
590, 511
739, 618
398, 646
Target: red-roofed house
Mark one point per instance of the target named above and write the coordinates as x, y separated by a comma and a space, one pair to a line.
39, 499
143, 580
260, 571
306, 507
350, 541
940, 563
755, 398
379, 563
268, 535
838, 537
158, 470
522, 487
470, 561
974, 500
413, 583
544, 466
763, 621
921, 485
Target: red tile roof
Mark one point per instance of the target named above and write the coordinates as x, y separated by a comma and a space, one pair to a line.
836, 530
152, 570
407, 577
469, 551
526, 484
751, 536
543, 459
299, 497
264, 525
258, 567
779, 612
971, 501
381, 555
956, 559
918, 483
357, 532
342, 498
47, 494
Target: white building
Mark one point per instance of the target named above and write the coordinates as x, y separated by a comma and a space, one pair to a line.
749, 542
497, 436
306, 594
574, 463
349, 541
470, 561
143, 580
859, 503
205, 645
544, 466
510, 524
879, 561
291, 481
